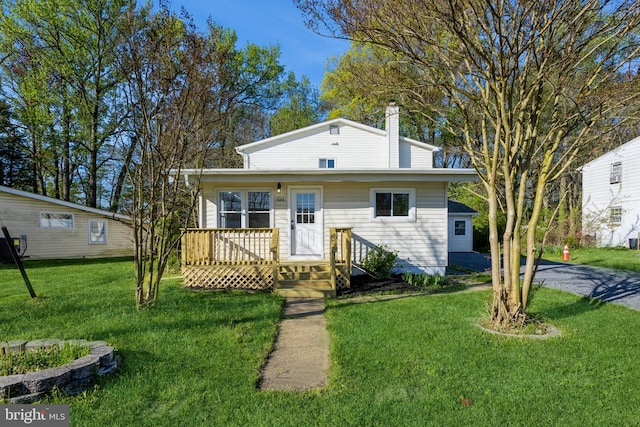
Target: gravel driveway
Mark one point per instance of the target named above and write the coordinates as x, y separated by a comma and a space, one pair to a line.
615, 286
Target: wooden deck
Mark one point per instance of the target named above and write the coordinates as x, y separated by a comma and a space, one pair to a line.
250, 259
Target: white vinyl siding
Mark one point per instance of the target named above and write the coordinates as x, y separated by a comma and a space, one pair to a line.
414, 157
21, 216
352, 148
600, 195
421, 245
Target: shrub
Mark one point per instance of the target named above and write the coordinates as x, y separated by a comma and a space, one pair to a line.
379, 262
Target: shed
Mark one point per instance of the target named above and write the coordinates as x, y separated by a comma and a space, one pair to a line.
460, 225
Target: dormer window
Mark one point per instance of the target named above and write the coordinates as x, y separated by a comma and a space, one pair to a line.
334, 130
616, 173
327, 163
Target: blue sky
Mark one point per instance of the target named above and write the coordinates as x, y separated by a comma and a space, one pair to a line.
270, 22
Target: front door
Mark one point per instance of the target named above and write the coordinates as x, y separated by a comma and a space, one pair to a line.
306, 221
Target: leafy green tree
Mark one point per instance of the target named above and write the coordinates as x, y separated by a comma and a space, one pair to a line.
301, 107
59, 71
186, 91
365, 78
14, 163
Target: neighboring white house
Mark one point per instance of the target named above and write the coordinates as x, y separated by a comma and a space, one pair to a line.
460, 227
338, 173
611, 196
48, 228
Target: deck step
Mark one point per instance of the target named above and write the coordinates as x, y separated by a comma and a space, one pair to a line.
305, 275
303, 292
305, 279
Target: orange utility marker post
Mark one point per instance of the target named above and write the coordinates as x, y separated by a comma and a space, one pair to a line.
565, 253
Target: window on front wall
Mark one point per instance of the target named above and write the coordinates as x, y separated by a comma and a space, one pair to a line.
230, 209
327, 163
97, 232
56, 220
259, 209
616, 173
459, 228
393, 204
245, 209
616, 215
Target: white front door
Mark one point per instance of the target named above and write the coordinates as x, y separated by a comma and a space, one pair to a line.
306, 221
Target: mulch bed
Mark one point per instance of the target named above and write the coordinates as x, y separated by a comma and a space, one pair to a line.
365, 284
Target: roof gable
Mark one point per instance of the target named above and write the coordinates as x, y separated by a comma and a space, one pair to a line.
321, 127
59, 202
460, 208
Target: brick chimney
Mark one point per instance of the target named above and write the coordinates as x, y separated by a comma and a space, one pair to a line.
392, 125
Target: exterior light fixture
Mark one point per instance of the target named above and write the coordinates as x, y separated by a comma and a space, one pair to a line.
279, 187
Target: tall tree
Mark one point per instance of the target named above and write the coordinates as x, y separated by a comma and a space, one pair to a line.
301, 107
523, 78
367, 77
14, 163
59, 70
185, 91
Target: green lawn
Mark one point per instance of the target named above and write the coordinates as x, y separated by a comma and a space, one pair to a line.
619, 258
194, 359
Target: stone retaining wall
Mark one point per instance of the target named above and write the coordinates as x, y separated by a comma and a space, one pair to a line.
72, 378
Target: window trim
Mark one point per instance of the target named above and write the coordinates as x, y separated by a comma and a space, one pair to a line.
411, 217
455, 228
73, 220
334, 130
105, 232
244, 204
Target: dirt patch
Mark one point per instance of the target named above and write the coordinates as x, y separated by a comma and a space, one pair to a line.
367, 285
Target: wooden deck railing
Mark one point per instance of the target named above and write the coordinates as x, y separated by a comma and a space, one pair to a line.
230, 246
339, 253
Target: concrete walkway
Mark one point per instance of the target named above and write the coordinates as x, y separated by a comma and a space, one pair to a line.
300, 358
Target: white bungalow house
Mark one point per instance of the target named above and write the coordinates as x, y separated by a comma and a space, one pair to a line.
611, 196
324, 194
47, 228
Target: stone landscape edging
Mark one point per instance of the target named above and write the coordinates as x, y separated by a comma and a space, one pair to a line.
71, 378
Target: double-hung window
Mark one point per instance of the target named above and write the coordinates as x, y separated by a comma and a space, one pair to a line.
244, 209
615, 176
393, 204
615, 216
97, 232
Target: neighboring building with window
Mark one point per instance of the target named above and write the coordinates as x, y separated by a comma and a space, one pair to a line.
460, 227
338, 173
47, 228
611, 197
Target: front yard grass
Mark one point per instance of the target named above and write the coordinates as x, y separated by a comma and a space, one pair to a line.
194, 359
618, 258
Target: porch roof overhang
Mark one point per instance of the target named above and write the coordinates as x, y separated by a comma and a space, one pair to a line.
329, 175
